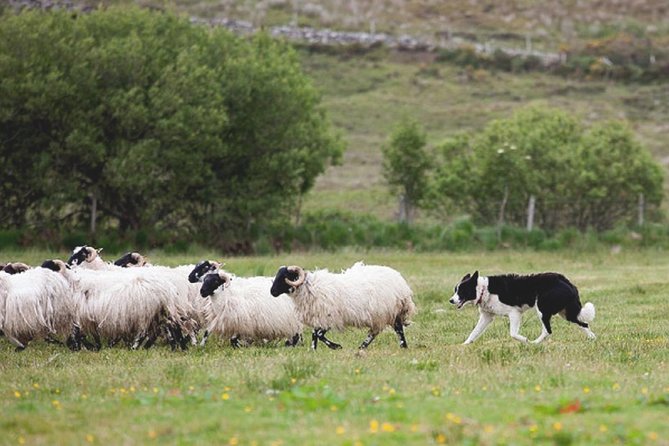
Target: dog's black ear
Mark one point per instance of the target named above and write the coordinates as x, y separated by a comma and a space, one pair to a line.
475, 277
467, 276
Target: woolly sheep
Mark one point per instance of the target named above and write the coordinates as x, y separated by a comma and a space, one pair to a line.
135, 305
243, 308
363, 296
179, 275
37, 304
182, 303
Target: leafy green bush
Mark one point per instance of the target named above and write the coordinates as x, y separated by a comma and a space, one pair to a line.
154, 122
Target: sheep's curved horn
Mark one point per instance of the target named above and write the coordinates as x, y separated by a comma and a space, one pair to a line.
301, 276
225, 278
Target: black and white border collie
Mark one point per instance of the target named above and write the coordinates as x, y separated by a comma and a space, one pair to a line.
511, 295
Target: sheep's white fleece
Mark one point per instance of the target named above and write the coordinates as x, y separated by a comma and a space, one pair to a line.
38, 303
122, 303
182, 301
362, 296
247, 309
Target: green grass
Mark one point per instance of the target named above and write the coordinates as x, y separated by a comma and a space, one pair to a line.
614, 390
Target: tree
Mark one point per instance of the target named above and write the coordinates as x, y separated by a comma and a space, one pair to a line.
140, 119
405, 166
582, 179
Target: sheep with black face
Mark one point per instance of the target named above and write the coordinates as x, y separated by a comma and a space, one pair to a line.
242, 308
363, 296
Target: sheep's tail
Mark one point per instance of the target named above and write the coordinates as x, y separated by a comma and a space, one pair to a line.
408, 311
587, 313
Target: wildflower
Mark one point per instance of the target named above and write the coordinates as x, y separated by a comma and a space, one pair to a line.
644, 390
440, 438
534, 428
153, 434
90, 438
248, 409
84, 396
227, 389
155, 390
652, 436
436, 391
22, 440
391, 391
132, 389
191, 388
293, 380
357, 371
234, 441
225, 396
537, 388
36, 385
334, 408
586, 389
488, 429
615, 386
373, 426
414, 428
603, 428
56, 404
17, 394
340, 430
557, 426
388, 427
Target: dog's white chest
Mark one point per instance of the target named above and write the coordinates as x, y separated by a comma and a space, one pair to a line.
493, 305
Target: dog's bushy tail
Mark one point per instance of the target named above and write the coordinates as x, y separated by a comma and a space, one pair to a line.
587, 313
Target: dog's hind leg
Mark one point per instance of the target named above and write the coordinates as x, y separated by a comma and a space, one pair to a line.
484, 320
515, 318
572, 316
545, 327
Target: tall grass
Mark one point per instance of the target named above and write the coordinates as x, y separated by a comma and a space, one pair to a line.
567, 390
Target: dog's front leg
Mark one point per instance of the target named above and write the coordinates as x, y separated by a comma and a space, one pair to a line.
515, 318
484, 320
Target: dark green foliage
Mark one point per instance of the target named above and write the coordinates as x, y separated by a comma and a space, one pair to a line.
406, 164
580, 179
153, 121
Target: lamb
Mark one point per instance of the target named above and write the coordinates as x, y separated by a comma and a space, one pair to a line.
242, 308
37, 304
363, 296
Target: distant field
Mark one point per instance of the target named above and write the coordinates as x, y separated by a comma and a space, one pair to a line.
366, 96
569, 390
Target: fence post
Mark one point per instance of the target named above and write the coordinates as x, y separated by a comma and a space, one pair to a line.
641, 209
502, 209
530, 213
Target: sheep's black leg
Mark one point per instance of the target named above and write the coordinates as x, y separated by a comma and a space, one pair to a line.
204, 338
321, 335
292, 342
234, 341
97, 343
51, 340
398, 326
73, 341
139, 339
314, 339
368, 340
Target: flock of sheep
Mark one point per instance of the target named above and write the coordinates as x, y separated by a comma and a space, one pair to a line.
87, 303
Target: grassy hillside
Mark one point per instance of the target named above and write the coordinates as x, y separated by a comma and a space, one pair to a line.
568, 390
366, 95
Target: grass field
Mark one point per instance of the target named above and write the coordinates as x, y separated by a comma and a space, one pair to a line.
568, 390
